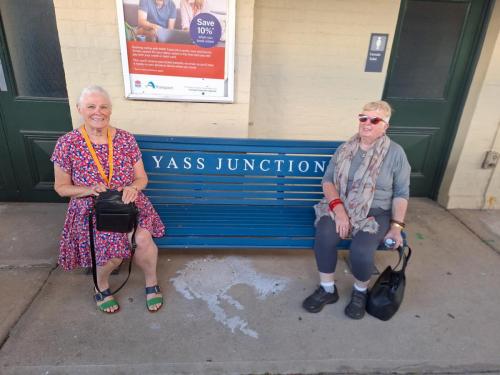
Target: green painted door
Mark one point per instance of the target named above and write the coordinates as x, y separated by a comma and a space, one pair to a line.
34, 109
432, 62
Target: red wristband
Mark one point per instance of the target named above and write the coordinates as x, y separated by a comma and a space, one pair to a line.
334, 203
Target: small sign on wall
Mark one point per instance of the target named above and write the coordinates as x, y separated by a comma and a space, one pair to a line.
376, 52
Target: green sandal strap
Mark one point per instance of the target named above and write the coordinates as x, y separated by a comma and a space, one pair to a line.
107, 305
153, 301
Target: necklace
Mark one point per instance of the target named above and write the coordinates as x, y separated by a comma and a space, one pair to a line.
363, 153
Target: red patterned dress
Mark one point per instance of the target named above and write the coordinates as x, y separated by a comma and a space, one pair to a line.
72, 155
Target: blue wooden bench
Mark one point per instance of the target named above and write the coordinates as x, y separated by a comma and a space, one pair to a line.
235, 193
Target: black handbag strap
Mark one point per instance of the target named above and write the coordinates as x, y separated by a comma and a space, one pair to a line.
92, 253
403, 257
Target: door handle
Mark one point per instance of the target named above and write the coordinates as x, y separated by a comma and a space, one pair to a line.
3, 83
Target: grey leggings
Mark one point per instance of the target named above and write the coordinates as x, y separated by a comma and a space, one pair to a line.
363, 245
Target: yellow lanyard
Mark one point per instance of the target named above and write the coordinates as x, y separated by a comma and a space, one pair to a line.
106, 179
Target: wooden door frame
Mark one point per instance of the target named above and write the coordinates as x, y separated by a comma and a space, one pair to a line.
8, 74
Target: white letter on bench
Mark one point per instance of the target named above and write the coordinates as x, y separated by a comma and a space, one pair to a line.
235, 164
200, 163
280, 163
320, 166
172, 162
155, 158
250, 164
302, 163
220, 164
262, 162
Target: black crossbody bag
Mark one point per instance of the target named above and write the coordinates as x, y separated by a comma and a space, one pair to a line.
112, 215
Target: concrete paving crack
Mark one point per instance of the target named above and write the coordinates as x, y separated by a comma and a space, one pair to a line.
35, 295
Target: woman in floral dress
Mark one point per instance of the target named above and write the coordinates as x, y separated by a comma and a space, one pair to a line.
77, 176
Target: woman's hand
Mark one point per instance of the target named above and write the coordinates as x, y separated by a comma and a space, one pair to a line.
63, 185
96, 189
395, 234
129, 193
342, 222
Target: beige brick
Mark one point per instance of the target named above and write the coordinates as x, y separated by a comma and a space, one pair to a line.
308, 60
299, 75
483, 135
91, 55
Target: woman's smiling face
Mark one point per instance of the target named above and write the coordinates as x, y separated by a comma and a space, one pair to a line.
95, 110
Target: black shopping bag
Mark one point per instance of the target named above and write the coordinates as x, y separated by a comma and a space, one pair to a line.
386, 294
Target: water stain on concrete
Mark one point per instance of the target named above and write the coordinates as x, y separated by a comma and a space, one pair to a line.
210, 280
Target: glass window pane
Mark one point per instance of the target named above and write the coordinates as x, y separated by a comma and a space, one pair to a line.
426, 49
33, 43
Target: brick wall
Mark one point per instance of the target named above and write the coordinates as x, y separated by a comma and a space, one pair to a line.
88, 33
308, 79
299, 75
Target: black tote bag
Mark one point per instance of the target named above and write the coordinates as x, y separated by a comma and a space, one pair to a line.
386, 294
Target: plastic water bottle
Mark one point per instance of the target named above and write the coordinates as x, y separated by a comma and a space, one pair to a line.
389, 242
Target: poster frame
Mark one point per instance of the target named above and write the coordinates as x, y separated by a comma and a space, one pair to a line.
228, 80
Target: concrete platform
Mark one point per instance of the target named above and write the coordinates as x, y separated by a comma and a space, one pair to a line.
29, 233
484, 223
234, 312
18, 288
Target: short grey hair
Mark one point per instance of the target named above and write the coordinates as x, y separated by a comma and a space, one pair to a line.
381, 106
93, 89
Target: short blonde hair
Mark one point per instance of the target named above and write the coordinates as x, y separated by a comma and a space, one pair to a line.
381, 106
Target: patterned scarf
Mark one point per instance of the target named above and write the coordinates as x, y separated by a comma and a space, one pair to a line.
358, 200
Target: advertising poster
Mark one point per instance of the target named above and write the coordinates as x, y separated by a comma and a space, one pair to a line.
178, 50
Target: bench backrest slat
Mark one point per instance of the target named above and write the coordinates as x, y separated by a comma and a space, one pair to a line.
232, 187
245, 202
158, 178
242, 164
229, 171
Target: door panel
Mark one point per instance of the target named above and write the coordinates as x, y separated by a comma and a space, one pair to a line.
38, 147
34, 107
431, 63
8, 186
35, 56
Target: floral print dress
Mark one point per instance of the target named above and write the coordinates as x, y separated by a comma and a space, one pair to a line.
72, 155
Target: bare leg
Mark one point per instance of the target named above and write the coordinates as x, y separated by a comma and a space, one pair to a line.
146, 257
103, 273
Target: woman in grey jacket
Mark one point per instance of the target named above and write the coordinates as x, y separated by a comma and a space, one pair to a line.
366, 189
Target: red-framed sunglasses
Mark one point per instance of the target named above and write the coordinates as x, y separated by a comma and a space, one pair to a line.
374, 120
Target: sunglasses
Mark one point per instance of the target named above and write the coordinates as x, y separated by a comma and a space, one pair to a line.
374, 120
